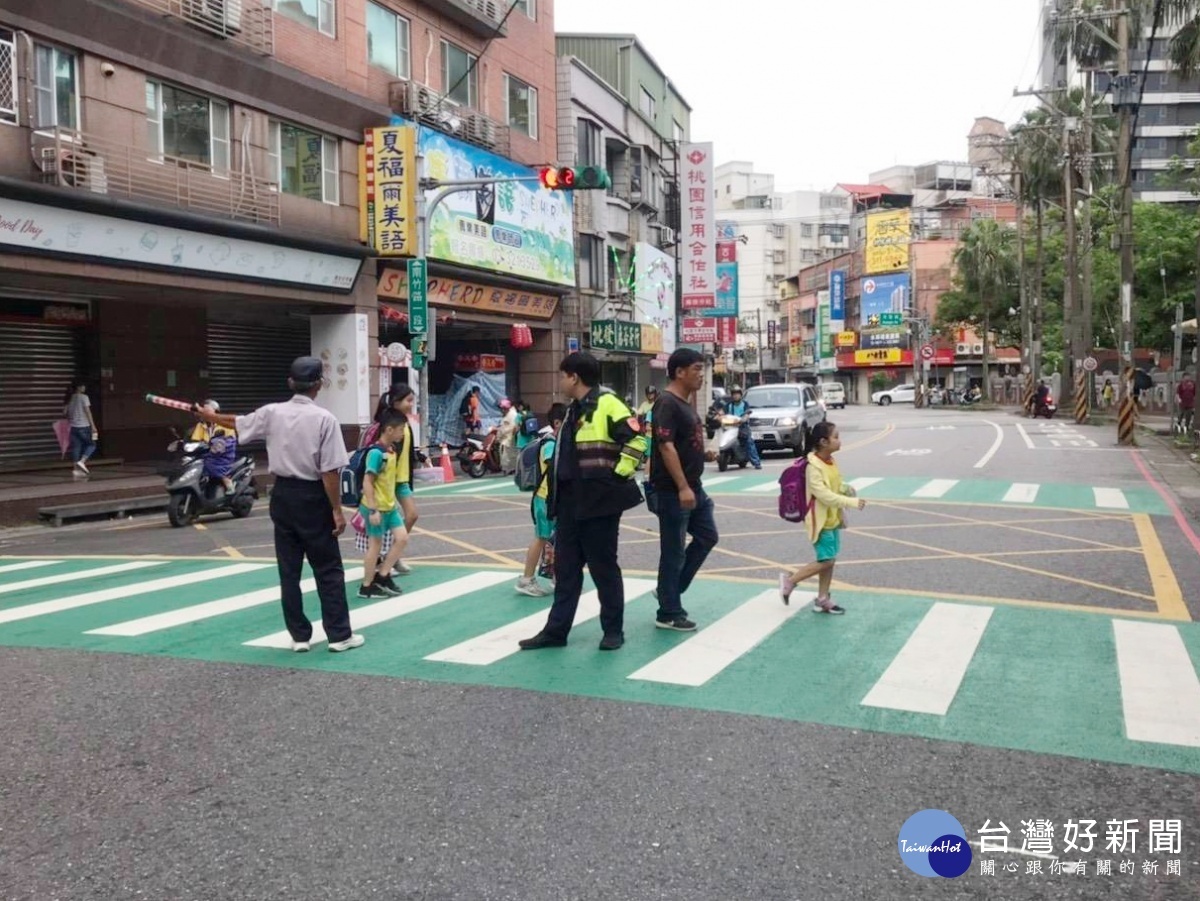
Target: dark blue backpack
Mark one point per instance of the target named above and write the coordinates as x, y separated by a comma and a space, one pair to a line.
352, 476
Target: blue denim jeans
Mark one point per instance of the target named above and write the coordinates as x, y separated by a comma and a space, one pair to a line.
82, 445
747, 440
679, 560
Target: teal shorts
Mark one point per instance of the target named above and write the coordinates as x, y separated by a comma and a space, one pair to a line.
389, 521
403, 491
828, 543
542, 527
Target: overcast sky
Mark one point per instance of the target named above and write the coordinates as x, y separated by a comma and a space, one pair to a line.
825, 91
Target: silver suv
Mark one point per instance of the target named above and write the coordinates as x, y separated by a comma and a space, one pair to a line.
783, 416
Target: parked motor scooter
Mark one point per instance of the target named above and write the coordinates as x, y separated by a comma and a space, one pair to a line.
480, 454
194, 494
730, 449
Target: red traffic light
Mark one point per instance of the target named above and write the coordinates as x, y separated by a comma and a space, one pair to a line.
553, 179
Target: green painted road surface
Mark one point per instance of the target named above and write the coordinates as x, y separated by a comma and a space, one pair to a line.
1030, 495
1091, 686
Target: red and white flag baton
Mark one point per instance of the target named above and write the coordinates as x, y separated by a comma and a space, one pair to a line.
168, 402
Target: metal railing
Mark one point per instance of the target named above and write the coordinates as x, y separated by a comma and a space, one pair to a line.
250, 23
72, 159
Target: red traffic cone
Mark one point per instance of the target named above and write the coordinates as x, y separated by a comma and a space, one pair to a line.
447, 466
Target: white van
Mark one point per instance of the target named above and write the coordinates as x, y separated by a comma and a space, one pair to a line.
834, 395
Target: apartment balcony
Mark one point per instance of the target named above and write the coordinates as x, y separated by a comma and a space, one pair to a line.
83, 162
617, 218
417, 101
480, 17
248, 23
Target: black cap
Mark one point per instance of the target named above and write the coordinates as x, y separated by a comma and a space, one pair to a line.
306, 373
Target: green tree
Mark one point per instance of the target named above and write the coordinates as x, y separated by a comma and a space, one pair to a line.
985, 274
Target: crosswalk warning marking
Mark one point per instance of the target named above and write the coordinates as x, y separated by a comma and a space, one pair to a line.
1111, 498
28, 564
374, 614
494, 646
712, 649
925, 676
935, 488
79, 575
1021, 493
197, 612
864, 483
71, 602
1160, 692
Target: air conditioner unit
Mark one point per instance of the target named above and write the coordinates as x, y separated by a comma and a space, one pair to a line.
977, 349
409, 98
488, 8
225, 14
963, 350
666, 236
482, 130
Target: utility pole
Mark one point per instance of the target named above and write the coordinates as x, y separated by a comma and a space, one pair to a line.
1071, 284
1125, 95
1086, 338
758, 322
1023, 290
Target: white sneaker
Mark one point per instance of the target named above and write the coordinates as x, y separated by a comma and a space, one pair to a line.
531, 588
354, 641
402, 569
300, 646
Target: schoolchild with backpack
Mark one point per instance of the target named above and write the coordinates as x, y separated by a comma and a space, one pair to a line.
398, 400
536, 459
812, 491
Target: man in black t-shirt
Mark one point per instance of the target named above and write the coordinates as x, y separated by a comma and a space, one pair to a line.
675, 473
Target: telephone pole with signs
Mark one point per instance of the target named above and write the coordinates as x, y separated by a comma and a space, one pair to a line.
1125, 98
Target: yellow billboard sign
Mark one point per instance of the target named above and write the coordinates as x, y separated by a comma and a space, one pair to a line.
388, 182
652, 339
882, 357
888, 236
845, 339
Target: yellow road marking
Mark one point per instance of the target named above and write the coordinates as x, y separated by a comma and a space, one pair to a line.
1166, 587
987, 522
200, 527
1025, 569
482, 552
891, 427
232, 552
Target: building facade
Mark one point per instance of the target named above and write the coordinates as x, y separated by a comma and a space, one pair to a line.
619, 110
179, 192
1169, 114
778, 234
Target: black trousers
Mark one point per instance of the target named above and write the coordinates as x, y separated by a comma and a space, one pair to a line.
591, 541
304, 528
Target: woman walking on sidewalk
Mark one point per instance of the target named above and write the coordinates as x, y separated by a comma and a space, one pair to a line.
77, 407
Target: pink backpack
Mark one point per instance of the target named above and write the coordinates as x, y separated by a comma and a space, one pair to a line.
793, 491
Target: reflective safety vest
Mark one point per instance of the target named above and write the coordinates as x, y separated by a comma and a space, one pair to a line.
609, 437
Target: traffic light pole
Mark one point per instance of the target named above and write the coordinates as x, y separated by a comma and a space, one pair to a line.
425, 210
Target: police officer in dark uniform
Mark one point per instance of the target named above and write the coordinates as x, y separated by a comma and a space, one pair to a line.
305, 453
599, 447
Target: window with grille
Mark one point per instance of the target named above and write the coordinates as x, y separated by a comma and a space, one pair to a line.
8, 78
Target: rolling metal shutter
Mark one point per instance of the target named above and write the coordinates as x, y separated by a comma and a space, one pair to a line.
37, 363
248, 364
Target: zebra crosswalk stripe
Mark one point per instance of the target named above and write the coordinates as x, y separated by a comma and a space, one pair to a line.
935, 488
712, 649
28, 564
1160, 693
71, 602
79, 575
863, 484
198, 612
374, 614
925, 676
1021, 493
494, 646
1111, 498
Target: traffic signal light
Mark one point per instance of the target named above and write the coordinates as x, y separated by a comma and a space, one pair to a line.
588, 178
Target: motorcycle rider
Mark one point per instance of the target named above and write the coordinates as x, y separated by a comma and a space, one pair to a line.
222, 447
739, 408
1040, 396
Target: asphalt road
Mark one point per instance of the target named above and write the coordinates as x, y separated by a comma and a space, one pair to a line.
185, 764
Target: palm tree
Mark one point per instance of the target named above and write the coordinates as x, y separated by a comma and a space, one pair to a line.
986, 262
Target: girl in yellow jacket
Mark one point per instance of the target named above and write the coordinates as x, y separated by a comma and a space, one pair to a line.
828, 496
